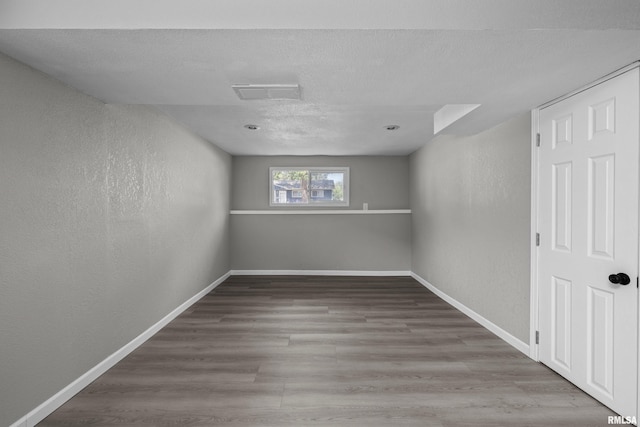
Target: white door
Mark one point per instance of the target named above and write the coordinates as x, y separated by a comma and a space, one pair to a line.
588, 224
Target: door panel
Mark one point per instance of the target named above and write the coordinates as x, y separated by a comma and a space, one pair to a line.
562, 207
601, 202
561, 323
602, 118
588, 224
562, 131
600, 340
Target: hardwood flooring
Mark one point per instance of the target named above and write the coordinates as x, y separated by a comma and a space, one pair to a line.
327, 351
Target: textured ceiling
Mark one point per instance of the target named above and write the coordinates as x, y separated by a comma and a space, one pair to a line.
354, 81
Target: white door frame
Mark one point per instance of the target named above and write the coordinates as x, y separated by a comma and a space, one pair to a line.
535, 129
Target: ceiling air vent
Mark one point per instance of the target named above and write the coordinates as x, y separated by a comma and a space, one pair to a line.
249, 92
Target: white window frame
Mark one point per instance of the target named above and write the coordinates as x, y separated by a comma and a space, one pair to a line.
311, 204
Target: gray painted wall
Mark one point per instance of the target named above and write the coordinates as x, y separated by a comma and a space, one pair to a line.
111, 217
323, 242
470, 199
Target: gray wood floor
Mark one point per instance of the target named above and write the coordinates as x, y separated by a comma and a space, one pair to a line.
327, 351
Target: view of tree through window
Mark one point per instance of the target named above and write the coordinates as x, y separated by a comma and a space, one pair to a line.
309, 186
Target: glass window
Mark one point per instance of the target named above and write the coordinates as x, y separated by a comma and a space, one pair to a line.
318, 186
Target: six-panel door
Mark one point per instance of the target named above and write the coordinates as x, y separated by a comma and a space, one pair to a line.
588, 222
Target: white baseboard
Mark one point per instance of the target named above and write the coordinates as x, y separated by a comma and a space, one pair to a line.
318, 273
497, 330
58, 399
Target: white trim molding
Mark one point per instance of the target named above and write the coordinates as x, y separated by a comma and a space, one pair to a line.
601, 80
58, 399
394, 273
321, 212
497, 330
533, 288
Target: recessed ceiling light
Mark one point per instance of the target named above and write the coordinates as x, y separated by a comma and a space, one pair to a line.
252, 127
392, 127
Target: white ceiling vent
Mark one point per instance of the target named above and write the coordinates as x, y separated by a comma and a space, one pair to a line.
249, 92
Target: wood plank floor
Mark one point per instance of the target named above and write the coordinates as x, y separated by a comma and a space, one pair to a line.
327, 351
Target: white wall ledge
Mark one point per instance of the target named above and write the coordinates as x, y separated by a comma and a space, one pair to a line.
322, 212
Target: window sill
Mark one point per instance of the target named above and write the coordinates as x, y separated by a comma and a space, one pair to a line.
321, 212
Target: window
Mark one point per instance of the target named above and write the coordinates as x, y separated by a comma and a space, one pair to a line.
317, 186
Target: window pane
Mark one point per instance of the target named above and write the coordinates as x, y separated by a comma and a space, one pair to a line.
327, 186
290, 186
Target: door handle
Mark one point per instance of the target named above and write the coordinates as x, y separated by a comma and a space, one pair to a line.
619, 279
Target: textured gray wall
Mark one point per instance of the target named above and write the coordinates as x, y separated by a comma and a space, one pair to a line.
111, 217
470, 199
323, 242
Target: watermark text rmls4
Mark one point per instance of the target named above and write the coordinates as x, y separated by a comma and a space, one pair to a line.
619, 419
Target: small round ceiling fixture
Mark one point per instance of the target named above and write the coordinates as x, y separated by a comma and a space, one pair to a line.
392, 127
252, 127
